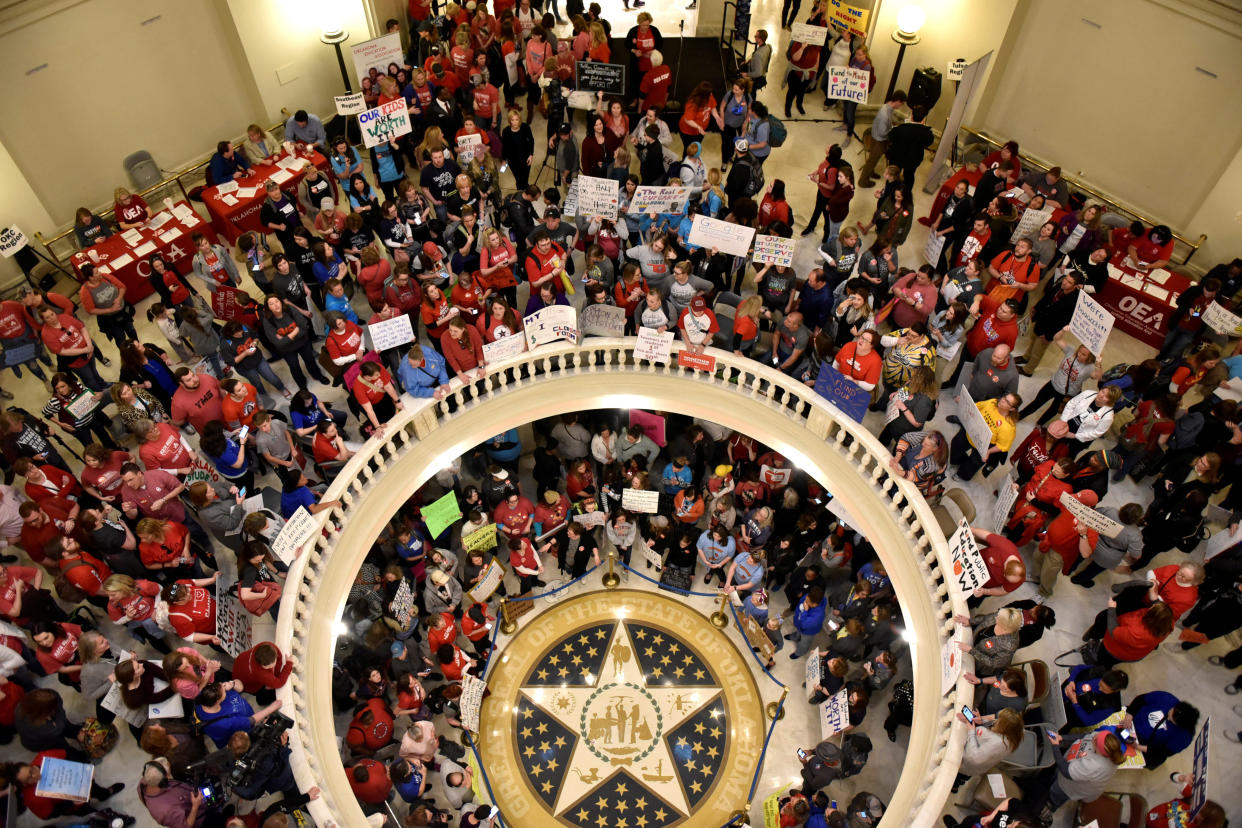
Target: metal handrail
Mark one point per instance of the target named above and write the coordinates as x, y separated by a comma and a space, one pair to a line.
1109, 201
175, 178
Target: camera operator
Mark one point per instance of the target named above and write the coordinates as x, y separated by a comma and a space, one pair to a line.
171, 802
261, 771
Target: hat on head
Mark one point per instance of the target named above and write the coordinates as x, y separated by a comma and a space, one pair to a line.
500, 474
396, 649
1110, 459
439, 577
327, 203
551, 497
722, 470
741, 145
432, 251
698, 304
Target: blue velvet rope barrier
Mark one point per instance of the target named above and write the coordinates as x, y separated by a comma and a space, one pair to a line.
486, 782
762, 666
558, 589
634, 571
780, 706
491, 648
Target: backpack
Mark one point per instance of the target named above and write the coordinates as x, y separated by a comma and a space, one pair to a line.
754, 183
1165, 375
777, 131
1115, 373
674, 172
97, 738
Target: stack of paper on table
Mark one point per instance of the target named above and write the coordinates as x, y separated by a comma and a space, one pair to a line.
247, 192
122, 260
185, 214
169, 235
229, 200
1157, 292
132, 237
1132, 281
146, 250
281, 176
1159, 276
159, 219
226, 187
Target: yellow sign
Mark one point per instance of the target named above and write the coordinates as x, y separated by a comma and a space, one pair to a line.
848, 18
482, 538
772, 809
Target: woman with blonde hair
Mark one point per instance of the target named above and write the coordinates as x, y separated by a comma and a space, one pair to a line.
987, 746
994, 644
599, 50
746, 324
486, 179
259, 146
134, 403
714, 196
433, 139
129, 210
853, 314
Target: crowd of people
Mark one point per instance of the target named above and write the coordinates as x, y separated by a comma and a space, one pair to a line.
121, 550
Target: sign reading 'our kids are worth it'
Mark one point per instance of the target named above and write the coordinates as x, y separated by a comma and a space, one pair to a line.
384, 123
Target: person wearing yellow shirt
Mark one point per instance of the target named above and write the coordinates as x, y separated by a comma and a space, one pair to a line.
1001, 415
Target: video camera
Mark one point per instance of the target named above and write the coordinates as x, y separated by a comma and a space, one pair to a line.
264, 741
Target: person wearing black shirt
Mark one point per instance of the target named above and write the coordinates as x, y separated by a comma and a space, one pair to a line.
517, 148
908, 143
439, 181
302, 255
280, 215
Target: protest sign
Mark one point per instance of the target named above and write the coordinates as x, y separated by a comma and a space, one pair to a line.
699, 362
83, 405
1091, 323
349, 104
62, 779
387, 122
483, 538
469, 702
551, 324
171, 708
489, 582
468, 147
1006, 496
1199, 770
776, 250
772, 808
569, 207
1222, 540
956, 69
653, 556
839, 390
297, 531
814, 672
950, 665
848, 84
640, 500
376, 54
651, 424
1089, 518
651, 199
391, 333
590, 520
201, 469
1221, 320
602, 320
977, 428
834, 714
757, 637
933, 247
12, 239
228, 303
592, 76
722, 235
402, 601
811, 35
1029, 224
232, 622
598, 196
969, 569
504, 348
847, 18
441, 514
653, 346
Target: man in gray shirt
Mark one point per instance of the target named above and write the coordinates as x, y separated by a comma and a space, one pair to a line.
573, 442
306, 129
636, 443
760, 59
880, 128
1109, 553
993, 374
456, 783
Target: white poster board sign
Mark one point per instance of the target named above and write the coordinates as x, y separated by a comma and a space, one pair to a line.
232, 623
640, 500
956, 69
12, 239
297, 531
569, 207
976, 427
598, 196
653, 346
1091, 323
468, 146
387, 122
1214, 316
969, 569
653, 556
471, 700
349, 104
933, 248
1006, 496
814, 665
391, 333
848, 84
811, 35
376, 54
834, 714
1219, 542
504, 348
493, 575
950, 666
722, 235
776, 250
1089, 518
602, 320
1029, 224
652, 199
551, 324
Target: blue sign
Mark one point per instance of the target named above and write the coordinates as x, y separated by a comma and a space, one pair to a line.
1199, 774
839, 390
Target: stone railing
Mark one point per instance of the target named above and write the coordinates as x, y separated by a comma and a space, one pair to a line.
600, 373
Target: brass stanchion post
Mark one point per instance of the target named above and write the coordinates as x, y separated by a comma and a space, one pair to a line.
718, 618
776, 710
611, 578
508, 626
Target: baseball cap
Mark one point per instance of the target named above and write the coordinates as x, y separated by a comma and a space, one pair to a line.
722, 470
698, 304
741, 145
552, 212
432, 251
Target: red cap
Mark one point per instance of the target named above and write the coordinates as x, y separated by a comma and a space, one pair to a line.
432, 251
698, 304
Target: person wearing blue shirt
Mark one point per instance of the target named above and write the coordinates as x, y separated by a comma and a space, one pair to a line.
409, 778
504, 449
306, 129
814, 300
336, 301
808, 618
228, 456
294, 493
1092, 694
677, 476
345, 160
1163, 724
227, 164
875, 574
388, 167
423, 373
716, 549
223, 711
747, 572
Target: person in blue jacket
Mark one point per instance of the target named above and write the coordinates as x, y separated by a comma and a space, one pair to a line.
223, 711
505, 449
1091, 695
409, 778
677, 476
808, 618
227, 164
1163, 724
423, 373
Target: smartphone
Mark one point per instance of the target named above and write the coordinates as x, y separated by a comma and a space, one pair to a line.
832, 805
968, 713
1051, 733
863, 815
242, 493
241, 434
802, 754
504, 166
1124, 734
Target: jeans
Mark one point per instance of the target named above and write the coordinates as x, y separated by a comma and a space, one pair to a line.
831, 231
307, 356
255, 376
802, 644
1175, 343
89, 375
849, 109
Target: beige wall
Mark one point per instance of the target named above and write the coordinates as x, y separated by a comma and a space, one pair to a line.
18, 205
1220, 217
112, 86
1164, 148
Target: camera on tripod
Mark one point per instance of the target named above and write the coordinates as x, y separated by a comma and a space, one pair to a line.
264, 741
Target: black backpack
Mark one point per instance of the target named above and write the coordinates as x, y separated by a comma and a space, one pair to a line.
754, 182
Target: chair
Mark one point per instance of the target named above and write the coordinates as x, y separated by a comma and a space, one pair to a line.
142, 170
725, 310
948, 523
1114, 810
1034, 754
1037, 680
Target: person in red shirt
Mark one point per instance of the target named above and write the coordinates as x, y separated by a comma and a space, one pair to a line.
66, 337
328, 445
1133, 635
23, 597
239, 404
462, 346
1176, 812
437, 312
16, 331
697, 325
1152, 250
486, 100
262, 670
165, 545
441, 629
545, 262
515, 516
130, 210
454, 663
1014, 273
345, 344
80, 568
1039, 499
497, 256
467, 297
369, 781
1006, 570
56, 649
1064, 542
40, 525
477, 625
774, 207
803, 63
1177, 585
192, 609
48, 483
47, 808
375, 393
162, 447
978, 238
131, 601
655, 84
197, 400
859, 362
554, 508
101, 475
371, 728
998, 322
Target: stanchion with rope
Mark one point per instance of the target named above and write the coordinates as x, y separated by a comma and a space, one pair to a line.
776, 710
611, 578
508, 625
718, 618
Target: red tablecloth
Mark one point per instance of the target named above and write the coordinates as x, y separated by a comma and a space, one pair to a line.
1140, 314
171, 240
231, 220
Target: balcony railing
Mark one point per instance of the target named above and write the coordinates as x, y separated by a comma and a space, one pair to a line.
601, 373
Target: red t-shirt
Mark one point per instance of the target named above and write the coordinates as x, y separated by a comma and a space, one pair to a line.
133, 212
486, 101
137, 607
323, 449
865, 368
377, 787
9, 593
85, 571
198, 615
63, 652
167, 451
345, 344
998, 550
539, 264
107, 478
70, 336
1179, 598
444, 635
990, 331
170, 549
59, 485
371, 390
513, 520
198, 405
237, 413
13, 320
655, 87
